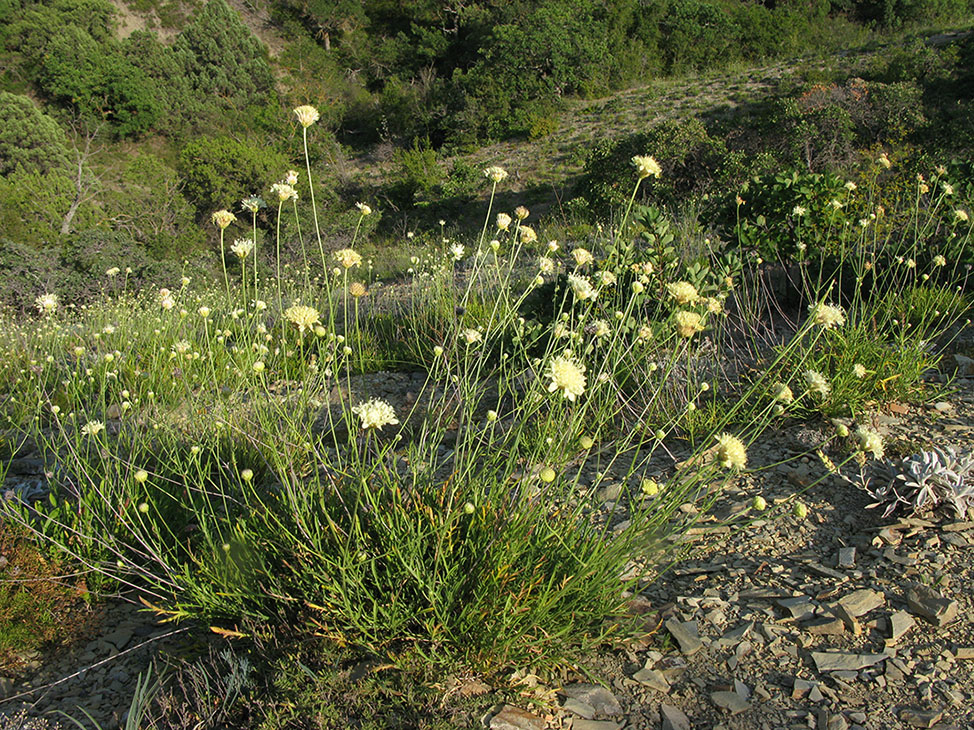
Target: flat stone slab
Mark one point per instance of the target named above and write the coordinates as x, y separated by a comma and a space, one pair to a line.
685, 635
931, 605
730, 701
674, 719
514, 718
652, 679
595, 696
840, 661
858, 603
921, 718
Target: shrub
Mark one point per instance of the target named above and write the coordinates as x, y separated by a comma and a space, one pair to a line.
218, 172
691, 160
30, 141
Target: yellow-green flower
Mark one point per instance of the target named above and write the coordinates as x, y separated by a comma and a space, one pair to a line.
646, 166
567, 376
307, 115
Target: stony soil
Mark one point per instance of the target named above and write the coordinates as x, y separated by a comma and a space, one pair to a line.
840, 620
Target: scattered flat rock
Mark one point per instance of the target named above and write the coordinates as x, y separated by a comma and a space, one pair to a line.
824, 626
730, 701
652, 679
599, 698
921, 718
514, 718
685, 635
858, 603
899, 623
931, 605
840, 661
577, 707
847, 557
735, 636
674, 719
583, 724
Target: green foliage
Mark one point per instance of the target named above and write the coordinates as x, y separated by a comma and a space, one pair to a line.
26, 272
417, 174
218, 172
148, 204
34, 206
38, 607
823, 125
98, 82
222, 60
691, 160
30, 141
786, 210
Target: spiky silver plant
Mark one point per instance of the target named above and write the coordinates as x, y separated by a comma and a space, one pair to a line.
922, 481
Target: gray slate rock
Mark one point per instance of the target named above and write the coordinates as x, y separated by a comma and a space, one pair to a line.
652, 679
577, 707
514, 718
931, 605
583, 724
840, 661
858, 603
674, 719
599, 698
685, 635
730, 701
921, 718
899, 623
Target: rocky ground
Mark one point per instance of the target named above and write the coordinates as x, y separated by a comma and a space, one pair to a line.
842, 620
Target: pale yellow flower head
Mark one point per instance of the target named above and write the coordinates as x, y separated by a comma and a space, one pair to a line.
961, 215
348, 257
363, 209
528, 234
284, 192
307, 115
242, 247
826, 315
817, 384
46, 303
93, 428
223, 218
357, 289
688, 323
503, 221
375, 414
581, 287
683, 292
302, 317
646, 166
520, 212
782, 393
582, 256
731, 452
567, 376
495, 173
870, 441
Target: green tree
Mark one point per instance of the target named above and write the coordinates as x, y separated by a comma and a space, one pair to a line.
99, 82
218, 172
222, 63
30, 141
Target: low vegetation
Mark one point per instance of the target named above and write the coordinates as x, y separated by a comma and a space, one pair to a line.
221, 449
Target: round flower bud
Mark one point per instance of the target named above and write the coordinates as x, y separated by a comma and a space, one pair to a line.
800, 510
141, 476
247, 475
759, 503
547, 475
